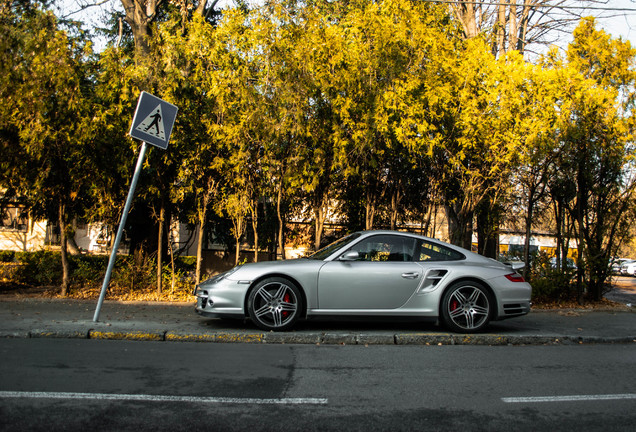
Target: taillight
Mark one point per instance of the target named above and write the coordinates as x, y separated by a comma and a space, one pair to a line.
515, 277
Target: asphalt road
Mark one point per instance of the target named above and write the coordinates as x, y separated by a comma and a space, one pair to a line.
79, 385
624, 290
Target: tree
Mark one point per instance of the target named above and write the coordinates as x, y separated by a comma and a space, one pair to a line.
517, 25
140, 15
539, 94
478, 126
192, 60
45, 97
385, 62
596, 134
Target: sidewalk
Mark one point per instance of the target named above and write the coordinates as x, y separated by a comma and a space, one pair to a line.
35, 318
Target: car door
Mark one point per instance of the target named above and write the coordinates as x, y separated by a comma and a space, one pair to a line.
383, 277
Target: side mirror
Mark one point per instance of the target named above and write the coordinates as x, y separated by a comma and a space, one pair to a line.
350, 256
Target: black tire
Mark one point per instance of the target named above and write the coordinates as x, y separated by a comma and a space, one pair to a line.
467, 307
275, 304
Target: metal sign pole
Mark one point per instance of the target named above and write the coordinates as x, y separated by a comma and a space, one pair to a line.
120, 231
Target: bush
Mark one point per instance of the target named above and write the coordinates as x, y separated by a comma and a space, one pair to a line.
7, 256
184, 280
554, 286
134, 275
39, 268
133, 272
88, 270
548, 283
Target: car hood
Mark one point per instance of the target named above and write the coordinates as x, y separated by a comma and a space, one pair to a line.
251, 271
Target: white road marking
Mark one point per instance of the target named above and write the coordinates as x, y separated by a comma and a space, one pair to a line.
160, 398
572, 398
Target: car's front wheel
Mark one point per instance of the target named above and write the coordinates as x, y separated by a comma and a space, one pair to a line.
275, 304
466, 307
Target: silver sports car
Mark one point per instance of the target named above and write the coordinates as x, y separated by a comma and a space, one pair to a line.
371, 274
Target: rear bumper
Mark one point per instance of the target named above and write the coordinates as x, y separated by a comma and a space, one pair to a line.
514, 309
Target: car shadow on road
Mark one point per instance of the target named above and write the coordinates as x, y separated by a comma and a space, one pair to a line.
360, 325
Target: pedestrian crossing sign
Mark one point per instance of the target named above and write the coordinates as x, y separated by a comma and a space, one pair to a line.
153, 120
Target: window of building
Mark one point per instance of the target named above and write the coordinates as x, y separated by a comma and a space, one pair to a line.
14, 219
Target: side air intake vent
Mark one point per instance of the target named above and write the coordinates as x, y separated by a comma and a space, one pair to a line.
432, 278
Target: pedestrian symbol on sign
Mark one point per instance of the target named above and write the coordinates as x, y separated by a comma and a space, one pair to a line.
153, 124
153, 121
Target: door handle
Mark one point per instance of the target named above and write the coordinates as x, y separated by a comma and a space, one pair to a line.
414, 275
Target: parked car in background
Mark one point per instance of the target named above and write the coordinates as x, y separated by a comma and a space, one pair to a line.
377, 274
617, 263
569, 264
628, 268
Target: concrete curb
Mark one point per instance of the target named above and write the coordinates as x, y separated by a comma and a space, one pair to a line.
124, 335
423, 339
59, 334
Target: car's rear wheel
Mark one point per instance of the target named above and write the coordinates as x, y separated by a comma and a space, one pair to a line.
275, 304
466, 307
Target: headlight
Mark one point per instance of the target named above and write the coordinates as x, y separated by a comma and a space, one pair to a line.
216, 279
220, 276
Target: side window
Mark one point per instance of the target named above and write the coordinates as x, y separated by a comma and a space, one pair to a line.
435, 252
386, 248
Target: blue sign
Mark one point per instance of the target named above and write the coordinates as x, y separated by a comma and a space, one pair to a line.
153, 120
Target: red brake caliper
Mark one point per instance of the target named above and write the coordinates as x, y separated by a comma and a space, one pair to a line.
286, 299
454, 304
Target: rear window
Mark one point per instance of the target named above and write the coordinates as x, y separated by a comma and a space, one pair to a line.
429, 251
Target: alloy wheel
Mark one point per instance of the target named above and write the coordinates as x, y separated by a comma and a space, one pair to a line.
466, 308
274, 304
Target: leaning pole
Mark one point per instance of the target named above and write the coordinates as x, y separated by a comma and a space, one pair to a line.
152, 124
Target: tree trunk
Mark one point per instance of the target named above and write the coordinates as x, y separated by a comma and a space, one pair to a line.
487, 232
369, 211
202, 216
254, 212
526, 245
425, 224
173, 278
66, 269
319, 216
465, 13
581, 211
202, 228
205, 11
237, 251
281, 223
460, 227
396, 198
139, 16
239, 227
500, 30
160, 248
512, 26
523, 28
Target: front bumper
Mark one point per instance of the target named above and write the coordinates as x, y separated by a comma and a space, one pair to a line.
223, 298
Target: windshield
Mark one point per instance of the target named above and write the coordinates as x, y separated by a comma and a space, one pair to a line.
328, 250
